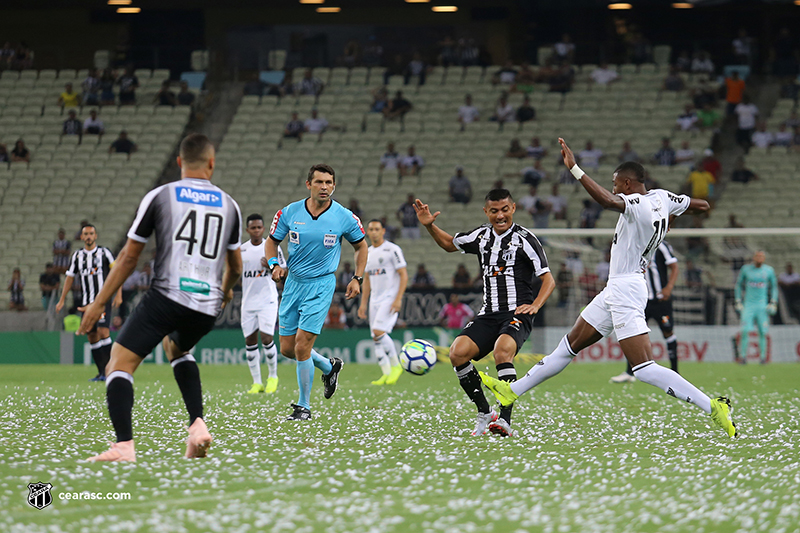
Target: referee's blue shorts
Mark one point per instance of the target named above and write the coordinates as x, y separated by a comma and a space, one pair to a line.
305, 303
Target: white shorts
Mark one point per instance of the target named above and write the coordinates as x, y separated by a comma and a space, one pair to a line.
260, 320
381, 317
619, 308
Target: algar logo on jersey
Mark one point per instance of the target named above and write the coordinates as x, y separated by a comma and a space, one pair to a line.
198, 197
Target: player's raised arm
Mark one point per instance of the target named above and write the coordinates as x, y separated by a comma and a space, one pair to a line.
427, 219
601, 195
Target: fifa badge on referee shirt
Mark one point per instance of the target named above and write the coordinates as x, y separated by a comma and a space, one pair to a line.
329, 241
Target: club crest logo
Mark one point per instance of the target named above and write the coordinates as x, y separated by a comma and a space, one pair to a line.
39, 495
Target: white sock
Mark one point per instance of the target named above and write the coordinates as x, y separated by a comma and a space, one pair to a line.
390, 349
546, 368
380, 354
672, 383
254, 362
271, 353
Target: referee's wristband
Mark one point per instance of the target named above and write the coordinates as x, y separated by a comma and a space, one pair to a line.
272, 262
577, 172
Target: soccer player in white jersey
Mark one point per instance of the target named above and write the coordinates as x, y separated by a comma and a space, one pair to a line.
385, 283
643, 222
259, 306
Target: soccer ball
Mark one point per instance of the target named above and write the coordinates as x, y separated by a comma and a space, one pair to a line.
417, 357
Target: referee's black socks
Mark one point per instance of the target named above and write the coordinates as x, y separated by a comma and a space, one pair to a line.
119, 395
188, 377
506, 372
471, 383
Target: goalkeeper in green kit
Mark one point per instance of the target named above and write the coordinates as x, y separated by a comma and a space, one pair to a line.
756, 295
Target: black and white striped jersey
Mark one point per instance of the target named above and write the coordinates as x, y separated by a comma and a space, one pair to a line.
91, 267
657, 274
508, 261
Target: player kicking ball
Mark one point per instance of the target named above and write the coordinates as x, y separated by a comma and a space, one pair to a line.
643, 222
758, 285
385, 283
259, 306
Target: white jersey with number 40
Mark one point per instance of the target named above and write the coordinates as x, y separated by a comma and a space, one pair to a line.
641, 228
258, 289
382, 265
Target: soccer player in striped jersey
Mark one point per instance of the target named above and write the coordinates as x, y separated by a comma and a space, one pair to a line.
509, 256
259, 306
92, 265
643, 222
197, 263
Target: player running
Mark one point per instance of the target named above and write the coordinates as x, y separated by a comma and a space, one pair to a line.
660, 277
93, 264
316, 227
198, 261
760, 287
509, 256
259, 306
385, 283
642, 225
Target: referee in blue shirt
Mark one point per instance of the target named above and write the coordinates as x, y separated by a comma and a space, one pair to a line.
316, 227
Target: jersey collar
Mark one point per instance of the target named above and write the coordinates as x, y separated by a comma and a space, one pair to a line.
305, 204
505, 232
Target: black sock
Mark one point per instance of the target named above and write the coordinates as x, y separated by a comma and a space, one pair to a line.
188, 377
672, 350
97, 357
106, 355
629, 370
471, 383
506, 372
119, 395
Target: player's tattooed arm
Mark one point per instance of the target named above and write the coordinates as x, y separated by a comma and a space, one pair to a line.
601, 195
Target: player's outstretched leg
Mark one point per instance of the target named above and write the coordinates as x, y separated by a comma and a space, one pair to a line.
254, 363
462, 351
502, 426
271, 354
187, 375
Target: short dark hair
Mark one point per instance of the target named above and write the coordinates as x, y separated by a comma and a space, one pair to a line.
194, 147
376, 220
495, 195
254, 216
48, 265
88, 225
634, 168
326, 169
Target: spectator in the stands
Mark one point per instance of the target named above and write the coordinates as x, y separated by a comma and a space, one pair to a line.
590, 157
17, 287
627, 154
396, 68
701, 182
535, 149
407, 215
762, 138
398, 107
310, 84
294, 128
589, 214
685, 155
315, 124
526, 112
684, 62
603, 268
107, 88
423, 279
411, 164
564, 50
49, 281
91, 88
742, 48
351, 53
708, 118
516, 150
455, 314
697, 246
789, 282
526, 78
336, 318
563, 284
561, 80
603, 75
711, 163
255, 87
535, 174
784, 50
666, 155
687, 121
694, 275
462, 279
380, 100
416, 68
123, 145
373, 52
392, 232
128, 83
558, 203
704, 94
93, 125
62, 249
782, 137
742, 174
747, 114
165, 96
390, 160
468, 113
345, 276
789, 277
72, 126
504, 112
702, 64
640, 49
537, 207
5, 157
355, 208
459, 187
734, 92
793, 121
69, 98
506, 75
20, 153
673, 81
6, 55
185, 96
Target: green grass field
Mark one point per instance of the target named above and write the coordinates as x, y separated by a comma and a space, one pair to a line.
590, 456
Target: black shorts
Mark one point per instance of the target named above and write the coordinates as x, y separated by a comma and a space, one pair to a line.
157, 316
486, 329
105, 319
661, 312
